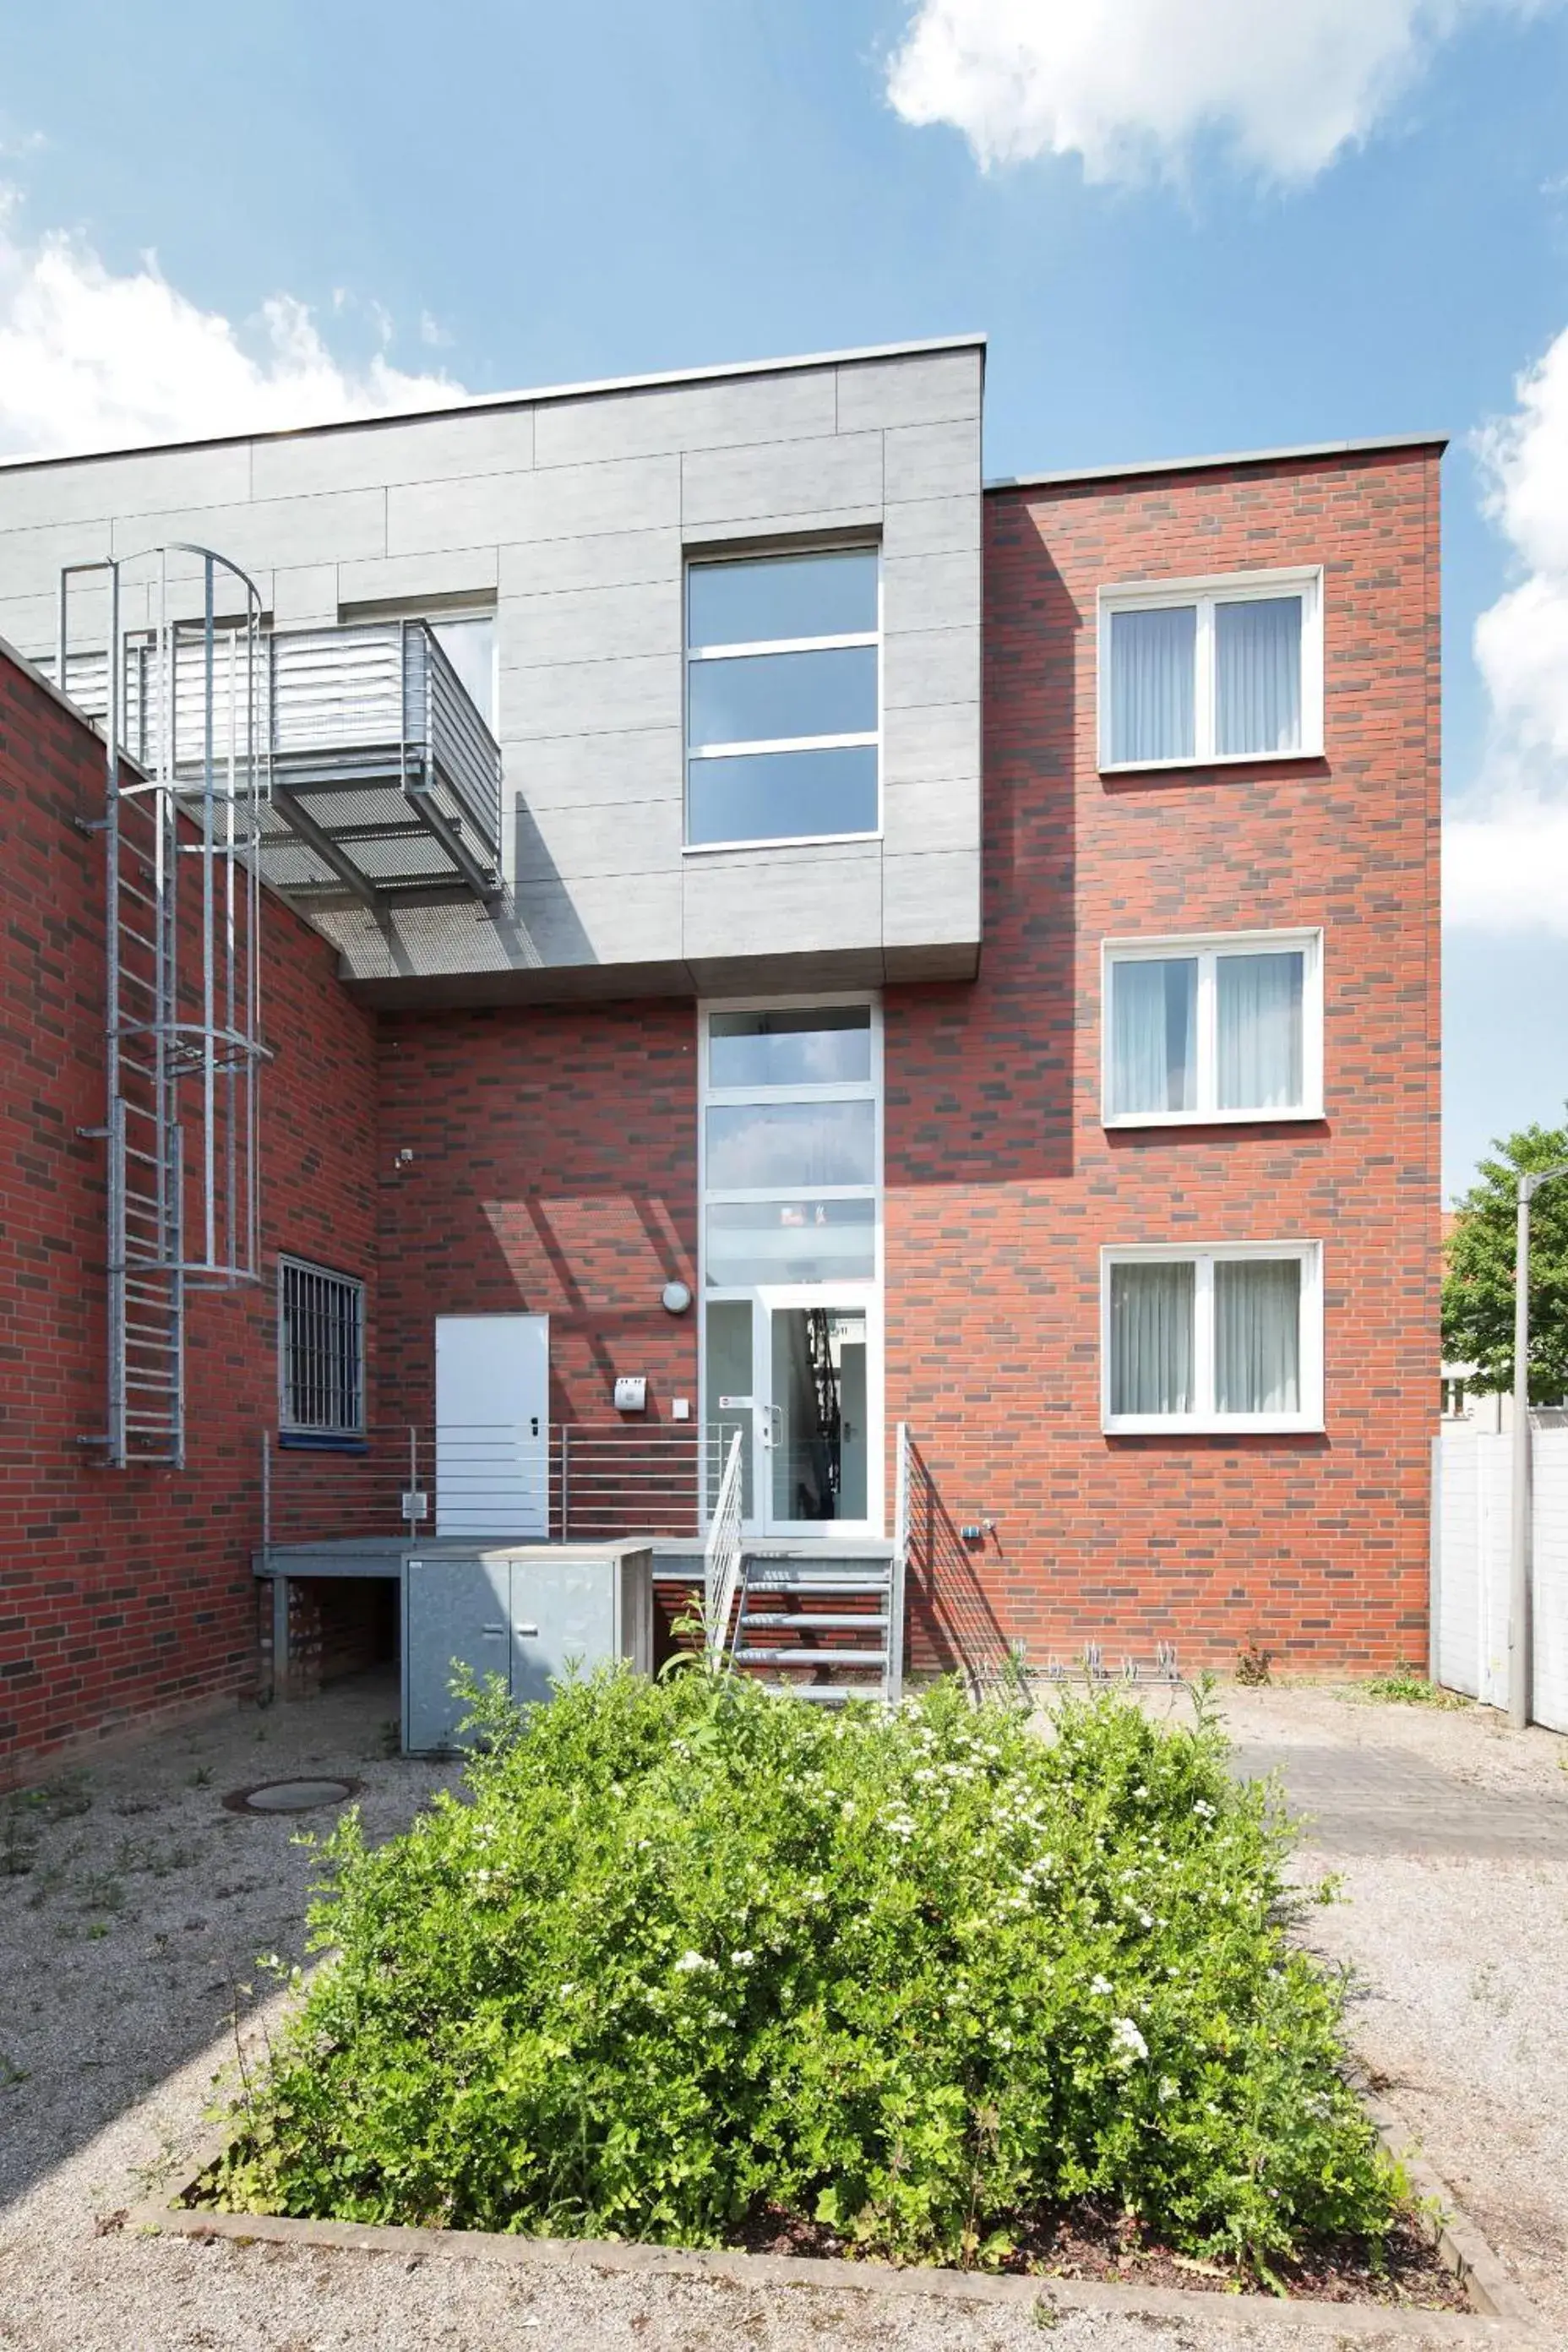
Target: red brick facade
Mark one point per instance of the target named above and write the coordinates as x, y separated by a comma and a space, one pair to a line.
553, 1171
546, 1159
1003, 1185
126, 1595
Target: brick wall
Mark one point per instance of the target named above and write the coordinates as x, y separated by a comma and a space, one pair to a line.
127, 1594
554, 1170
1003, 1185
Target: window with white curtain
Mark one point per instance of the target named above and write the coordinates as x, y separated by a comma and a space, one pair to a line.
1213, 1029
1204, 670
1213, 1339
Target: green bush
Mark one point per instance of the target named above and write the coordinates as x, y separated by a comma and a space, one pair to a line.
684, 1953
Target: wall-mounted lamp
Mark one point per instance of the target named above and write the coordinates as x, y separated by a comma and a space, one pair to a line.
675, 1298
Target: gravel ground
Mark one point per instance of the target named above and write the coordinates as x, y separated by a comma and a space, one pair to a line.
1453, 1918
133, 1907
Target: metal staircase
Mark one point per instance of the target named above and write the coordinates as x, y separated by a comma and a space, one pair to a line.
813, 1616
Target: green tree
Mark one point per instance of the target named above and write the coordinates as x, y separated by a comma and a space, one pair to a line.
1477, 1285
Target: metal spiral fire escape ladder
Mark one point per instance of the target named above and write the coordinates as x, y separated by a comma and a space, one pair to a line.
186, 784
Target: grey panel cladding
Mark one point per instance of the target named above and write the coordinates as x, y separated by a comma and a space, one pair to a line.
759, 409
564, 502
773, 479
572, 516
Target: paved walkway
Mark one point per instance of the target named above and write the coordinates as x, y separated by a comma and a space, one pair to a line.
1384, 1801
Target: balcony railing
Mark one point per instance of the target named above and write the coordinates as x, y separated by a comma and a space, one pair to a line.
572, 1483
385, 781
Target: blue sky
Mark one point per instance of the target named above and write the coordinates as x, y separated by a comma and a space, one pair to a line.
525, 193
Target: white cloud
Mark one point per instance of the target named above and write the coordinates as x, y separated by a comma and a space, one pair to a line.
1506, 846
92, 360
1130, 86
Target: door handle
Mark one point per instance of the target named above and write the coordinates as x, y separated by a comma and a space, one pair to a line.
533, 1426
529, 1632
497, 1631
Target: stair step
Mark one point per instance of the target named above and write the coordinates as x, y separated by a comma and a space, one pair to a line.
824, 1694
809, 1620
810, 1657
789, 1579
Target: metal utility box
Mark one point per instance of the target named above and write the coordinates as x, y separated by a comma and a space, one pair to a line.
526, 1613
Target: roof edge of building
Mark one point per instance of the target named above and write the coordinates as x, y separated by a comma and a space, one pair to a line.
472, 402
1287, 455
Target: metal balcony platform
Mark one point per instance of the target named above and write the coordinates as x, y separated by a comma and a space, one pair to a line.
385, 782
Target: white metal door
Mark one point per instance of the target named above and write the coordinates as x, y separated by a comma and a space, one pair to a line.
492, 1425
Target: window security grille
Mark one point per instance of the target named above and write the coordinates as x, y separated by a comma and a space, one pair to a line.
322, 1349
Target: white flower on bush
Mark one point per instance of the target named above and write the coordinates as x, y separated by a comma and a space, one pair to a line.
690, 1963
1127, 2042
1103, 1987
1168, 2089
1203, 1808
741, 1959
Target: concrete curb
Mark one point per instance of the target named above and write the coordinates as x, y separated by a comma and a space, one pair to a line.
1459, 2243
1502, 2316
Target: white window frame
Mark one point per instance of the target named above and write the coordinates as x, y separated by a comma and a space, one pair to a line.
349, 1283
1220, 588
867, 1291
695, 561
1205, 1420
1207, 947
712, 1098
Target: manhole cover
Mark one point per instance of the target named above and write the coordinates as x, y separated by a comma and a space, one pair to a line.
290, 1795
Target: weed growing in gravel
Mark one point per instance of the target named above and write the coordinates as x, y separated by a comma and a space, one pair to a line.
684, 1954
1408, 1689
18, 1839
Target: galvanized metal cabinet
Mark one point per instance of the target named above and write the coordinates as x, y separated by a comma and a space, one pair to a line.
528, 1613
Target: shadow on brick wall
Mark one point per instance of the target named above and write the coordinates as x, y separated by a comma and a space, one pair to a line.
952, 1627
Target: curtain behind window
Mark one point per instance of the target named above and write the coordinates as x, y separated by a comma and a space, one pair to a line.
1257, 676
1153, 657
1258, 1335
1154, 1035
1152, 1339
1259, 1015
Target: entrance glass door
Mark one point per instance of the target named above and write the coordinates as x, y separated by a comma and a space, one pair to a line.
794, 1373
791, 1172
815, 1419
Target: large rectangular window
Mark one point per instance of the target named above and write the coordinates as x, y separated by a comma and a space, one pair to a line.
791, 1152
783, 697
1213, 1339
1219, 1029
1202, 670
320, 1351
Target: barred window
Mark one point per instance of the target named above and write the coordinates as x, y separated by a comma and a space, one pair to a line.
321, 1347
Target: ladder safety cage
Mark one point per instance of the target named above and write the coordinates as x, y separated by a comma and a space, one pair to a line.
186, 787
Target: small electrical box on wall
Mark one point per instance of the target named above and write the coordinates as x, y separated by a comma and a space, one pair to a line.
631, 1392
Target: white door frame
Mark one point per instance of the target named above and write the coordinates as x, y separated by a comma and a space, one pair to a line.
858, 1298
858, 1293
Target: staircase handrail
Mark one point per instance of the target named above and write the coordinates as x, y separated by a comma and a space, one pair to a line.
902, 1468
721, 1557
